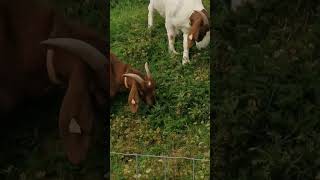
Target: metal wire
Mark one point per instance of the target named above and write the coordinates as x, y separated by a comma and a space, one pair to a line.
155, 156
164, 161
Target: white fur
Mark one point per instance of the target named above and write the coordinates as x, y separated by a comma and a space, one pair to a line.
177, 14
185, 58
205, 41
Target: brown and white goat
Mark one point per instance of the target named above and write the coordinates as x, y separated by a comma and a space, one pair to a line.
29, 70
123, 76
189, 16
41, 51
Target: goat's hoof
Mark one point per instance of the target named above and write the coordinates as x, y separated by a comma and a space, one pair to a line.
185, 61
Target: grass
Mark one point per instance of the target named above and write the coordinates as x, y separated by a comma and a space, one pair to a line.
266, 95
179, 123
31, 147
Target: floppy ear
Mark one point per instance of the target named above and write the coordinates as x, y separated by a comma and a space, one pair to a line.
194, 32
133, 98
195, 28
76, 118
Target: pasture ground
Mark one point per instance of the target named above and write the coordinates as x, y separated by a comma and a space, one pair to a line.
179, 123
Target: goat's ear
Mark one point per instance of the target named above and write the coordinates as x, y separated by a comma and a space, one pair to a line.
191, 39
195, 23
76, 118
193, 34
133, 98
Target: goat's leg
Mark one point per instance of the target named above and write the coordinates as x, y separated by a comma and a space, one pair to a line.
171, 32
150, 14
185, 58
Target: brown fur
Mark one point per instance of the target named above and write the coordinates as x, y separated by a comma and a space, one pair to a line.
198, 28
23, 74
137, 91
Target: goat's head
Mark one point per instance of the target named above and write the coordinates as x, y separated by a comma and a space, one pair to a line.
91, 56
86, 87
141, 87
200, 29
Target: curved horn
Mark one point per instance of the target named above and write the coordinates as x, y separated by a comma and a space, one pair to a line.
135, 77
146, 67
204, 17
85, 51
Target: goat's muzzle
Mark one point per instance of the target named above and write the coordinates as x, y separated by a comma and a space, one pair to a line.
150, 101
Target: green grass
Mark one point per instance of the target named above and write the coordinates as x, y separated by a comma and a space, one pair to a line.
267, 91
179, 123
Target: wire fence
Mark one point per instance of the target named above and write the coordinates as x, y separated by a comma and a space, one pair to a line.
165, 168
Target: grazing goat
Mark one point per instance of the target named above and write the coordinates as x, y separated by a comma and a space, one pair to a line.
189, 16
30, 69
41, 51
123, 76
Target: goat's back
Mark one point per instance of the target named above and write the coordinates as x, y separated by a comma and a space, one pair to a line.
23, 25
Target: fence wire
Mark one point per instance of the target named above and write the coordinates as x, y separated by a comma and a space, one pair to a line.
165, 162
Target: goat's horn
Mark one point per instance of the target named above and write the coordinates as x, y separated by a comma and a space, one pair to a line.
89, 54
135, 77
204, 17
146, 66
